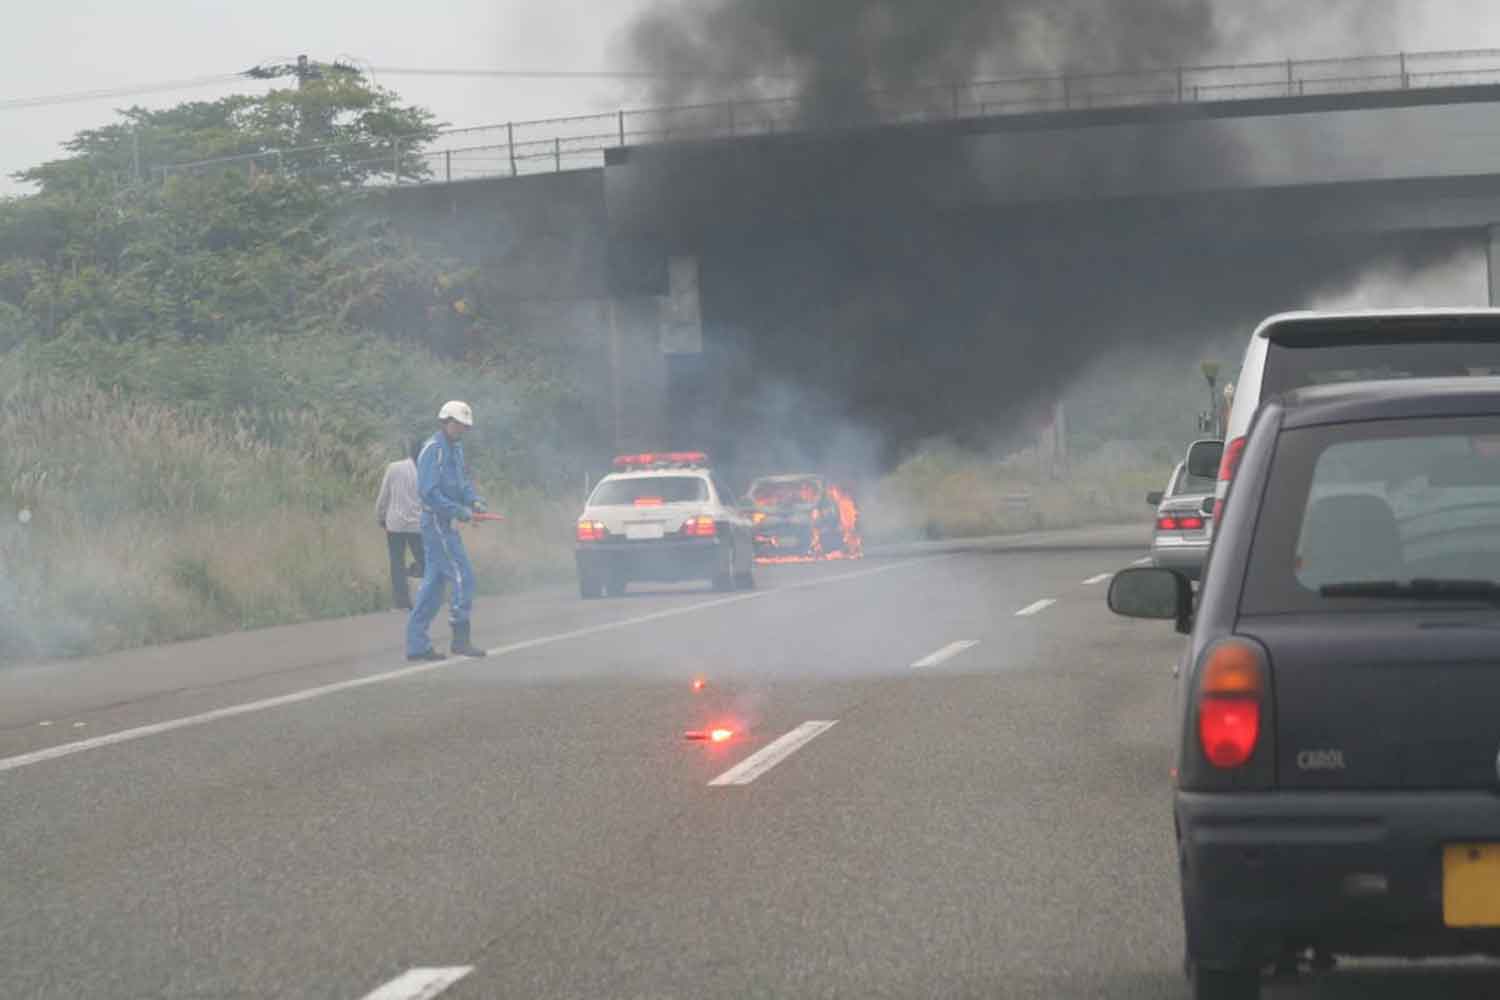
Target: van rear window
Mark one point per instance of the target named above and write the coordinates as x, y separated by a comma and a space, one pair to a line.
1374, 502
1292, 366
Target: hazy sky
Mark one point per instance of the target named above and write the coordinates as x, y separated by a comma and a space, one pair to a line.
60, 47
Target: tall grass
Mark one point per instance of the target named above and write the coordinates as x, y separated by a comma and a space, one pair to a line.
149, 523
945, 492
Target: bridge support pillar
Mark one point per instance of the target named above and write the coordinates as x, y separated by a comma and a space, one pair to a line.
1492, 259
657, 370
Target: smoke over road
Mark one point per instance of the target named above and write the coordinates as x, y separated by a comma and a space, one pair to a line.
870, 302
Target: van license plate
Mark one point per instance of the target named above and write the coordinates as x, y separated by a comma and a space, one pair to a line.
1471, 885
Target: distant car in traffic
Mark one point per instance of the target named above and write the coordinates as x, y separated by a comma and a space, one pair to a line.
802, 516
662, 517
1293, 351
1338, 760
1184, 510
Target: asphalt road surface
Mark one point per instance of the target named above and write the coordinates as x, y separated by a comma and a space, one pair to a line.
941, 785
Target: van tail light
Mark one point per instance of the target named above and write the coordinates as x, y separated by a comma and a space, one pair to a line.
1166, 524
1233, 685
700, 527
592, 531
1229, 464
1190, 523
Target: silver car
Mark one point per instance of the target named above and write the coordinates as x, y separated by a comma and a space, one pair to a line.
1184, 512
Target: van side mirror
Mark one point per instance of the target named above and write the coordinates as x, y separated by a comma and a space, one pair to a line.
1153, 593
1203, 459
1154, 498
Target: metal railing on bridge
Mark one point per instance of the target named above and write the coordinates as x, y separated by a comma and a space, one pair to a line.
554, 145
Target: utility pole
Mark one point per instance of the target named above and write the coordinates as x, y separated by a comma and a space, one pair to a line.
1212, 421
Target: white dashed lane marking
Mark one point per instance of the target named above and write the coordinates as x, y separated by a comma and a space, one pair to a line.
1032, 609
420, 984
1097, 579
948, 652
773, 753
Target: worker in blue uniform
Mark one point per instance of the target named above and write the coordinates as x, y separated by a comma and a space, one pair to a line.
447, 496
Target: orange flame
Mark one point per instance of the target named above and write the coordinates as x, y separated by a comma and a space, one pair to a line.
848, 528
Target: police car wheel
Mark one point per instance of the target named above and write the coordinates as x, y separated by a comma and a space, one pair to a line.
590, 588
725, 580
617, 584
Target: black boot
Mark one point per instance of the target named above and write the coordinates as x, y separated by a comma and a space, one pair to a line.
461, 645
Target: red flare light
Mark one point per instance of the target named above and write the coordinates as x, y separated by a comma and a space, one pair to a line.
718, 734
699, 684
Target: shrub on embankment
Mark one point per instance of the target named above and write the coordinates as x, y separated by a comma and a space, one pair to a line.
944, 492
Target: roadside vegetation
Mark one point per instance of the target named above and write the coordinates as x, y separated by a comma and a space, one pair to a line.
944, 492
203, 375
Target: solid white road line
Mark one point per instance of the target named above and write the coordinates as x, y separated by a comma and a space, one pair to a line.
1097, 579
420, 984
1032, 609
948, 652
773, 753
1142, 562
246, 708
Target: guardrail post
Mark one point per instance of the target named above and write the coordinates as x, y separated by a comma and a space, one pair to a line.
1179, 84
557, 151
622, 126
448, 165
510, 145
1405, 79
1290, 77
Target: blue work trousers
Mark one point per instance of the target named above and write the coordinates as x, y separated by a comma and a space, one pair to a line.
447, 564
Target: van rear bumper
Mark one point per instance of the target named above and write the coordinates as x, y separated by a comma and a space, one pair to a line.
1350, 873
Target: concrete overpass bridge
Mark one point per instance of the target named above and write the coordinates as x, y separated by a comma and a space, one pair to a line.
697, 248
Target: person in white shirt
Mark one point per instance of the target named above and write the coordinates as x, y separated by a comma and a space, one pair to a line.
398, 510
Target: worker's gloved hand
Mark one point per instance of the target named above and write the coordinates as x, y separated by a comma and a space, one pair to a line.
480, 507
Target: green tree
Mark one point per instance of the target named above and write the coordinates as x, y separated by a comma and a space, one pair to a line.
270, 234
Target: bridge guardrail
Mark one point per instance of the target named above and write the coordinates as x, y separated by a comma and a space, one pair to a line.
579, 142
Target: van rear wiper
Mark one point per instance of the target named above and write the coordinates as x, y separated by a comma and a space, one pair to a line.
1419, 589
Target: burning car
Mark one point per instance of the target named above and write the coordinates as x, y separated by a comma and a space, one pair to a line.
800, 518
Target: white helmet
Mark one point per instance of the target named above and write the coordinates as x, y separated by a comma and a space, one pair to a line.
457, 410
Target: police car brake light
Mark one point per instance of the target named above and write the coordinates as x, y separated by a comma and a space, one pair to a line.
700, 527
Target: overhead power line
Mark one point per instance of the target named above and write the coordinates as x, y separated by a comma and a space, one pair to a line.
261, 73
571, 74
82, 96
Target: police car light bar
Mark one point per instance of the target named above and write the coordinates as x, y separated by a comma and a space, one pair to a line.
657, 459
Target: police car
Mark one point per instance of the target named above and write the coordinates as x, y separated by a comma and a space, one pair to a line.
662, 517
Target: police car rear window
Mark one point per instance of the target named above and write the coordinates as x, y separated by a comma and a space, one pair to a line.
1326, 361
667, 489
